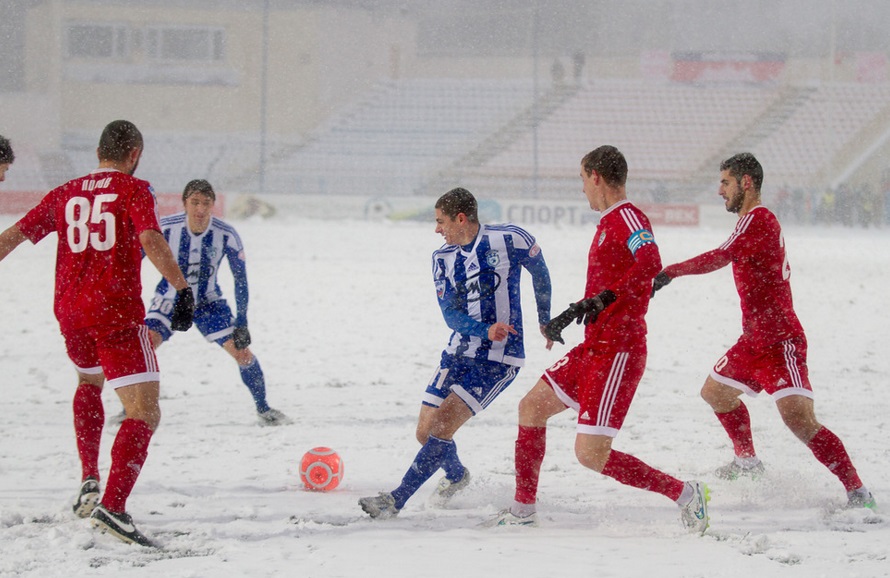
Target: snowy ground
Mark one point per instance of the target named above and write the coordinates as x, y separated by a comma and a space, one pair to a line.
345, 323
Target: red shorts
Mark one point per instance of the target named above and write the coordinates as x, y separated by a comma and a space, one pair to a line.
599, 386
124, 355
780, 369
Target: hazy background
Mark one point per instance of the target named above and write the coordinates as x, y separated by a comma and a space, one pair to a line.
390, 99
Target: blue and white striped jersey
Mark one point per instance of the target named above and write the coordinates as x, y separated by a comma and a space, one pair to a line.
200, 256
478, 285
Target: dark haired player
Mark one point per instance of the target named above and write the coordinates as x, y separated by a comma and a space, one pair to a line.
200, 242
599, 377
104, 221
477, 277
6, 157
771, 354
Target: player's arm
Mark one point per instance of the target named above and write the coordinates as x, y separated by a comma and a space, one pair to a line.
458, 320
647, 263
158, 252
34, 226
541, 284
10, 239
533, 260
242, 295
238, 265
700, 265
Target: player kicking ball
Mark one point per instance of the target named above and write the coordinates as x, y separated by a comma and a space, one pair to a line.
476, 275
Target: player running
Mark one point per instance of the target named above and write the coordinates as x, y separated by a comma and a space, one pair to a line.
599, 377
200, 242
477, 277
771, 354
104, 221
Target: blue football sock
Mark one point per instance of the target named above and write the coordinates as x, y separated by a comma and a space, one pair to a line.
428, 460
454, 469
252, 376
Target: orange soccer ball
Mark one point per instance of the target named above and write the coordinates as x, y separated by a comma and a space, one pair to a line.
321, 469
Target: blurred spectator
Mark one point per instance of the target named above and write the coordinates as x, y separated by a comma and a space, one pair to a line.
826, 208
801, 206
558, 72
885, 189
578, 61
844, 201
783, 200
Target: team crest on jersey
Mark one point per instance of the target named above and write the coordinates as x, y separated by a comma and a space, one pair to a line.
440, 288
492, 258
534, 250
602, 238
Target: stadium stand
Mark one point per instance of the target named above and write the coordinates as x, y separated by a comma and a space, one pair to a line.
420, 136
391, 141
831, 121
665, 130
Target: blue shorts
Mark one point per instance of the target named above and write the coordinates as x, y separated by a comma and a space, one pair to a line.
214, 320
475, 382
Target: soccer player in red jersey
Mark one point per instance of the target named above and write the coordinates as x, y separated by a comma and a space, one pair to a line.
771, 354
599, 377
104, 221
6, 157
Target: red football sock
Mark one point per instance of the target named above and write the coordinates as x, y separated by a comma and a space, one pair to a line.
89, 416
631, 471
829, 449
737, 424
531, 443
127, 456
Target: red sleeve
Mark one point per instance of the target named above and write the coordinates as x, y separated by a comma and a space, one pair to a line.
144, 208
647, 264
39, 221
704, 263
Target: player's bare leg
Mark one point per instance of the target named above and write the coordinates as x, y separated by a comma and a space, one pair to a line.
799, 415
424, 423
721, 398
539, 405
593, 451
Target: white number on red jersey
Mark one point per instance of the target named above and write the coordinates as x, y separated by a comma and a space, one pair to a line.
79, 215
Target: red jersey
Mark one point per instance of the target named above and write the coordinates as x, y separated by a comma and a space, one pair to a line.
762, 276
623, 258
98, 219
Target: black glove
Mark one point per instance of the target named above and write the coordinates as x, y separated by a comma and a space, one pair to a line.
553, 330
241, 337
589, 309
183, 310
660, 281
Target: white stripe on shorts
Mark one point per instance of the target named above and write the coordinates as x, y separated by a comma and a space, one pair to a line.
151, 360
610, 392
